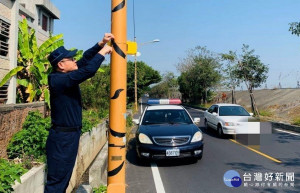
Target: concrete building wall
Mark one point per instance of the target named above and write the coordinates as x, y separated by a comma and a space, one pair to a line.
13, 47
41, 36
4, 67
5, 11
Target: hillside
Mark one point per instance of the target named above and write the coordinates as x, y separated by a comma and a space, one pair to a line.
277, 104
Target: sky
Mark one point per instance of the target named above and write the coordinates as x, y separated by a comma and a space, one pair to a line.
219, 25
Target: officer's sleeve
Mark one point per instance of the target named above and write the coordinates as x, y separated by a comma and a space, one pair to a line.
88, 55
78, 76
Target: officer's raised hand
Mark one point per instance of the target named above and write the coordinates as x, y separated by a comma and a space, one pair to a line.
105, 50
107, 37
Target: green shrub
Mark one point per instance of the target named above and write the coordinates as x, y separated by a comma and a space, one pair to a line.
90, 119
31, 140
129, 122
265, 113
86, 125
9, 172
296, 121
103, 113
101, 189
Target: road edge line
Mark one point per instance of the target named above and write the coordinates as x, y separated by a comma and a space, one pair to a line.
289, 132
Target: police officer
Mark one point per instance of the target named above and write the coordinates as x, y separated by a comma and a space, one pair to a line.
66, 109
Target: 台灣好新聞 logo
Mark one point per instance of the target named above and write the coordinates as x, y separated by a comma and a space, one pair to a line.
232, 178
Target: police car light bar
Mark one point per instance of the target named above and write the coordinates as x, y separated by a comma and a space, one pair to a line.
164, 102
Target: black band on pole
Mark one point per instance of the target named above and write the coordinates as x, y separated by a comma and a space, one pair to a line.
118, 7
117, 93
113, 145
118, 49
115, 171
116, 134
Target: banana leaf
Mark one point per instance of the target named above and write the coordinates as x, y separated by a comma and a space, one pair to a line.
23, 82
10, 74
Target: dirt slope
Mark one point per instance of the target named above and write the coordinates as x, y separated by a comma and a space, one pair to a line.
279, 104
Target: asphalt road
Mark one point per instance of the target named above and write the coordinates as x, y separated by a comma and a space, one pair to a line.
274, 154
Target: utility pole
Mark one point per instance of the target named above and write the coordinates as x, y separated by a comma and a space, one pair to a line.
135, 81
117, 109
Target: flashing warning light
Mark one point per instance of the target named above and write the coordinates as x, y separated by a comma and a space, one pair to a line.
164, 102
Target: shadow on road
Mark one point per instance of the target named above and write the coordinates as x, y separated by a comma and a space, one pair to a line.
285, 137
245, 167
132, 156
213, 133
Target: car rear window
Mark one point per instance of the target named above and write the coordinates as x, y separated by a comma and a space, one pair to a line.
166, 117
233, 111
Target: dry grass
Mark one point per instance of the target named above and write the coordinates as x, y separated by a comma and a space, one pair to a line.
282, 113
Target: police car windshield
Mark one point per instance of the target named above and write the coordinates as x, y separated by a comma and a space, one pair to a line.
166, 116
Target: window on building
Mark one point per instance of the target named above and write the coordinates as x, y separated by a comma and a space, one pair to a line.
45, 22
4, 37
3, 94
25, 16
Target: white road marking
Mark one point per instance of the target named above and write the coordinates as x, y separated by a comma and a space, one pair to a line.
289, 132
157, 180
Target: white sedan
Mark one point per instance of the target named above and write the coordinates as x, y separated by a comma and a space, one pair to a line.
230, 119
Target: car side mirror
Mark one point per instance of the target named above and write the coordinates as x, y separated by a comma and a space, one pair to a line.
251, 114
136, 121
196, 120
214, 113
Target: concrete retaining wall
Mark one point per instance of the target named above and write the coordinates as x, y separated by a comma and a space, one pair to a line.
33, 181
98, 170
90, 145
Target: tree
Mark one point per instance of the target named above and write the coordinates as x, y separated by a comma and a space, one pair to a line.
231, 80
200, 72
33, 67
295, 28
252, 71
166, 88
95, 92
146, 76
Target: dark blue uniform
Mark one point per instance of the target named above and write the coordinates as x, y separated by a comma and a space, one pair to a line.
66, 116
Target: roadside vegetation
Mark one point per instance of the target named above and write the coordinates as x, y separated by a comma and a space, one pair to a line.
101, 189
9, 172
296, 121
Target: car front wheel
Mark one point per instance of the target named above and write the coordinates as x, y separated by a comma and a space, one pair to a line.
220, 132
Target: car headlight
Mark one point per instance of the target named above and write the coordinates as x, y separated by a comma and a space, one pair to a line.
144, 139
230, 124
197, 137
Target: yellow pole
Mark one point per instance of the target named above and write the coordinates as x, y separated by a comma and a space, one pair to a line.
117, 110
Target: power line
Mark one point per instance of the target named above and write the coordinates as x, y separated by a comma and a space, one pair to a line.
133, 20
